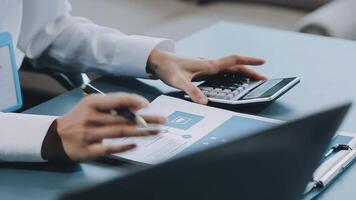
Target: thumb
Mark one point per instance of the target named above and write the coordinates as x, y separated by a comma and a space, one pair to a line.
195, 93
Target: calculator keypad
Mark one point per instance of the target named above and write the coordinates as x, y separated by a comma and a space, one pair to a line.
228, 87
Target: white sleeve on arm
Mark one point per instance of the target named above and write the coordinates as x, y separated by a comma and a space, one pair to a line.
22, 135
75, 44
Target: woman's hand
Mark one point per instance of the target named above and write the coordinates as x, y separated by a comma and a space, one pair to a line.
83, 129
179, 71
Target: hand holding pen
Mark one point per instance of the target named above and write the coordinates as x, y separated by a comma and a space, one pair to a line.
84, 130
124, 112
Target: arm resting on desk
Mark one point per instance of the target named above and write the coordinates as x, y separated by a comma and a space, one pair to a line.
22, 136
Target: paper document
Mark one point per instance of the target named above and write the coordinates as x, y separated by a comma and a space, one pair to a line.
190, 127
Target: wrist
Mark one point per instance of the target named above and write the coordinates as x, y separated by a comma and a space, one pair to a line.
152, 61
60, 124
155, 60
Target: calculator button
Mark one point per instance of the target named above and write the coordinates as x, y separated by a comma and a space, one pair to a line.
221, 95
212, 94
235, 92
246, 90
245, 85
229, 96
240, 89
205, 92
235, 98
206, 88
227, 90
246, 80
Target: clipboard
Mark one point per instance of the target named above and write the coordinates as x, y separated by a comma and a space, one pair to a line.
11, 98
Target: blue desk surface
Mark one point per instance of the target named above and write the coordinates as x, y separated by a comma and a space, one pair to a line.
327, 68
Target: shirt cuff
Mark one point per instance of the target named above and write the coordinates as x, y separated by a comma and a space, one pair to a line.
22, 136
131, 54
52, 146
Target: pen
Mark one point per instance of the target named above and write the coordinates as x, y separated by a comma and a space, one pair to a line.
333, 172
124, 112
339, 167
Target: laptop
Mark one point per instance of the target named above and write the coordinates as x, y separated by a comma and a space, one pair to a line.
276, 163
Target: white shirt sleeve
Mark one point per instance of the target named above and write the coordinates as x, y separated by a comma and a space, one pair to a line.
22, 135
54, 38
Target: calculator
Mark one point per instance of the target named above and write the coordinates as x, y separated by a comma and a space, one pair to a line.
236, 89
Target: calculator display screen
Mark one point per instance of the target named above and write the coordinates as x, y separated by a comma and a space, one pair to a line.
268, 88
